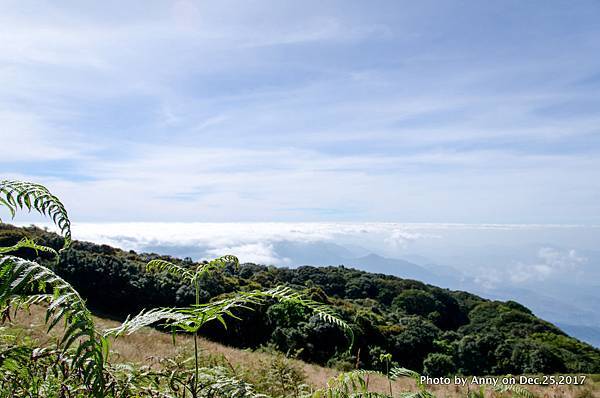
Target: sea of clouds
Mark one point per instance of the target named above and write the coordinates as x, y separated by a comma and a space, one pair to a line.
492, 253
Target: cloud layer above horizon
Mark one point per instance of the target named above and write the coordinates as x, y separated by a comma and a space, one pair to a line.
491, 253
463, 112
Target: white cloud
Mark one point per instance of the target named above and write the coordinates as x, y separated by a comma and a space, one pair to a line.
257, 241
251, 242
552, 263
258, 253
399, 238
28, 137
488, 278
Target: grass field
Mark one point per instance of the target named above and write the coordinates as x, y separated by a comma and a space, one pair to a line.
269, 371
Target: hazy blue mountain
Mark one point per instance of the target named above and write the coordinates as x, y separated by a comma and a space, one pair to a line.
589, 334
578, 321
310, 253
391, 266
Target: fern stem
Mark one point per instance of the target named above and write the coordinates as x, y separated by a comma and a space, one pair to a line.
387, 371
196, 375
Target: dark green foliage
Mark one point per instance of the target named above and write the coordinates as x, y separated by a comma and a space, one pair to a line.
535, 357
439, 365
416, 302
475, 353
411, 340
406, 318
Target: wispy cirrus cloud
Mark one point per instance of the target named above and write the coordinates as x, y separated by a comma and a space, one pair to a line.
214, 112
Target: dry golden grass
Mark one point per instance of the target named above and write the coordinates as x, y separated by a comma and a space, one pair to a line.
147, 345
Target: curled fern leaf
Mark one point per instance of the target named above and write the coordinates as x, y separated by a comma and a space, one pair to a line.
25, 282
20, 195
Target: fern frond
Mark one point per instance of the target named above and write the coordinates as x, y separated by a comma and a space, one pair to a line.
514, 389
18, 302
28, 243
191, 319
187, 319
216, 382
403, 372
418, 394
216, 264
20, 195
341, 393
351, 384
323, 311
20, 280
191, 275
168, 267
146, 318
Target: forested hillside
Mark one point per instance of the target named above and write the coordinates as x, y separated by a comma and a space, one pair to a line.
423, 327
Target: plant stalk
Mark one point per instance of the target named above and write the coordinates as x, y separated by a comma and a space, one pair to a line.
387, 367
197, 286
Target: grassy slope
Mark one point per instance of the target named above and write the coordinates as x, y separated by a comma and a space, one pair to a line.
149, 345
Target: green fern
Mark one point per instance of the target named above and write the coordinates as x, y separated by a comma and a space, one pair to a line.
352, 384
25, 282
191, 275
194, 318
421, 392
19, 195
323, 311
158, 265
191, 319
217, 382
516, 390
30, 244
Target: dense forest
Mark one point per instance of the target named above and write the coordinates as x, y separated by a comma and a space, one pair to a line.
423, 327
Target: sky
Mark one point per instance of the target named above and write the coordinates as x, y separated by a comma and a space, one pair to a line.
325, 111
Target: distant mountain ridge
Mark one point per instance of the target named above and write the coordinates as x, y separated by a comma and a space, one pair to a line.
391, 266
589, 334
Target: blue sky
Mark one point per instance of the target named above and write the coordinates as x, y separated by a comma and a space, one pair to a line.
455, 111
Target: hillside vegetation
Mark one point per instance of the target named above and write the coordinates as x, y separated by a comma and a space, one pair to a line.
424, 328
